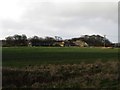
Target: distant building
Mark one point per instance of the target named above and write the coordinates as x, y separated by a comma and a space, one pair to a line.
2, 42
116, 45
29, 44
59, 43
68, 43
80, 43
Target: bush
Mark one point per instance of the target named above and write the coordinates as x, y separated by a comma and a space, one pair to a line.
96, 75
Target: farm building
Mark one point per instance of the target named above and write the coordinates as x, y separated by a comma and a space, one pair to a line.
3, 42
46, 43
116, 45
80, 43
76, 43
59, 43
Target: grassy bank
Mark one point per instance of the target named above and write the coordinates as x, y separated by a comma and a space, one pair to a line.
95, 75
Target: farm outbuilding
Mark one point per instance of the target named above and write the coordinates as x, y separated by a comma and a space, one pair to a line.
80, 43
59, 43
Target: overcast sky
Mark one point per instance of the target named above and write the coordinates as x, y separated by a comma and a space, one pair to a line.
58, 18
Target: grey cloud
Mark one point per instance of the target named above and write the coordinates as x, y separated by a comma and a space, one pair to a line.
67, 19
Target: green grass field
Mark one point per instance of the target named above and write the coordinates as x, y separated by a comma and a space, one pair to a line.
60, 67
23, 56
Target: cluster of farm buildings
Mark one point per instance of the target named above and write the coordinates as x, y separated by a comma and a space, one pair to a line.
60, 43
85, 41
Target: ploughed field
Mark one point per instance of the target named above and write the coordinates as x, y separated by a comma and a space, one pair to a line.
60, 67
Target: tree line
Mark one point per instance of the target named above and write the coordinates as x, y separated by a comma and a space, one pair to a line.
23, 40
